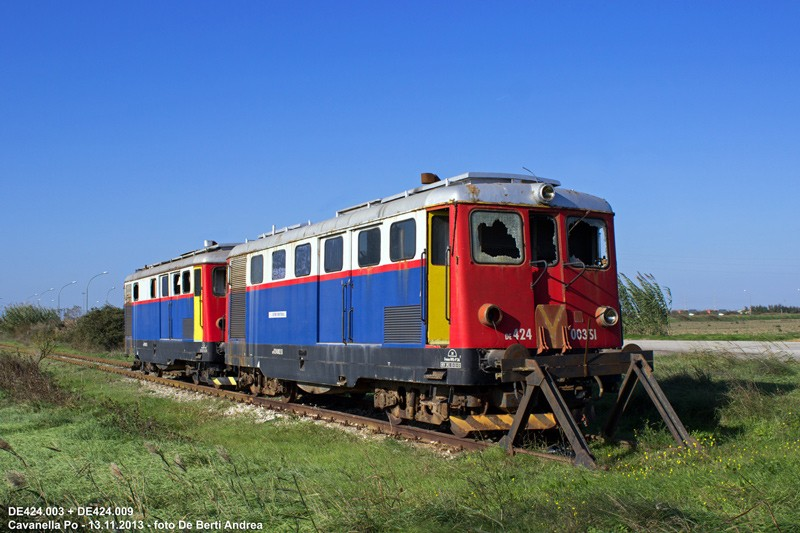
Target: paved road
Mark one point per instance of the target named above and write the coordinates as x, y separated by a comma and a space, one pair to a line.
737, 347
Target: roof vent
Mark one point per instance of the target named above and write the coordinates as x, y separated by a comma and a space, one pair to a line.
428, 177
209, 244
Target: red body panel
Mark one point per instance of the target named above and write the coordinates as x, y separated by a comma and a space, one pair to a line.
213, 307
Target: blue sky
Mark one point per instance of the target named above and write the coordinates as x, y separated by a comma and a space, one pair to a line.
130, 132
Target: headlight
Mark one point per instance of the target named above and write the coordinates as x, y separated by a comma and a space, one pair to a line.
490, 315
543, 193
606, 316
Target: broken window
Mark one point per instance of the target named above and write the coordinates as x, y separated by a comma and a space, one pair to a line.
186, 281
587, 241
544, 240
496, 237
176, 283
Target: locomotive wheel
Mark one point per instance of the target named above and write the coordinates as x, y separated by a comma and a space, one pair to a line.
288, 394
196, 378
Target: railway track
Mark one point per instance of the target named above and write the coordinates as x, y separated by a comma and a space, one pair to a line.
374, 425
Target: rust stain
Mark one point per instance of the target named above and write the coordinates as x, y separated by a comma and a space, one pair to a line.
474, 192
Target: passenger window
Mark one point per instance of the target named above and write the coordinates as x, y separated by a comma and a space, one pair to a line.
279, 264
135, 292
218, 281
402, 240
334, 254
369, 247
587, 241
544, 242
176, 283
153, 288
186, 281
164, 286
256, 269
496, 237
302, 260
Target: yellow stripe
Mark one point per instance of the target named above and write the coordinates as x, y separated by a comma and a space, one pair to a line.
198, 314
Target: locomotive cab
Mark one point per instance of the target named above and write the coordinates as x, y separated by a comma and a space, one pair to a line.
175, 314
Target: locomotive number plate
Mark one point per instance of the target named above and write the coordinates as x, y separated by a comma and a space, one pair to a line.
582, 334
521, 334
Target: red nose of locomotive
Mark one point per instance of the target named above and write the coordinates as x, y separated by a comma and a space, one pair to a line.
542, 278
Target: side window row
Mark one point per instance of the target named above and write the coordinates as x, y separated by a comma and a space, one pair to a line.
402, 246
181, 284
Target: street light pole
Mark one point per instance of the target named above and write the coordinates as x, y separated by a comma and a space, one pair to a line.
87, 288
109, 292
59, 295
45, 292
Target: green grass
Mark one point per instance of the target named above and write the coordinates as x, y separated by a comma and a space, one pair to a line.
113, 442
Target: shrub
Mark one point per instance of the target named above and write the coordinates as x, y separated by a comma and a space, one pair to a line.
102, 328
645, 305
20, 320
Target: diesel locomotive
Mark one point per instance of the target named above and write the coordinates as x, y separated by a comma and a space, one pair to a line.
441, 302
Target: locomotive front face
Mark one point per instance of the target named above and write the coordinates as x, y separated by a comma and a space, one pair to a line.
544, 278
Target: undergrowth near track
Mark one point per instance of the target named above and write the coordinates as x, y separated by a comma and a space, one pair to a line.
105, 440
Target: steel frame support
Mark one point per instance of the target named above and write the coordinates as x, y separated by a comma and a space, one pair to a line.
539, 381
640, 371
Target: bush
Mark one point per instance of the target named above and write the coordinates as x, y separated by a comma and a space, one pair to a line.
20, 320
102, 328
645, 305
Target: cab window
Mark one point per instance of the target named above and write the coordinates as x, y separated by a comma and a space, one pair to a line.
587, 241
496, 237
544, 240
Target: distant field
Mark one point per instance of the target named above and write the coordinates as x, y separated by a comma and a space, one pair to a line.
736, 327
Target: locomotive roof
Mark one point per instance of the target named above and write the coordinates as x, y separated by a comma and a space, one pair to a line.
470, 187
215, 253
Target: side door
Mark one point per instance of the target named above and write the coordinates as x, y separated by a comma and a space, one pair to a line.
164, 306
334, 289
366, 295
438, 277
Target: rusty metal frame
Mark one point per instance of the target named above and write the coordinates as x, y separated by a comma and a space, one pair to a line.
540, 381
540, 374
640, 371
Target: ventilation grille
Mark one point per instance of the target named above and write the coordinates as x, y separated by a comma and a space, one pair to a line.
238, 297
188, 328
402, 325
128, 320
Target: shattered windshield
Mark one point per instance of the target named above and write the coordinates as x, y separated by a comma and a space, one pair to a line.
496, 237
587, 241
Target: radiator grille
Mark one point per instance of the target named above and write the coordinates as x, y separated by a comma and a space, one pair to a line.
401, 325
238, 297
128, 320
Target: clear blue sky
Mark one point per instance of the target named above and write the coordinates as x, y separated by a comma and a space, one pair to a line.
131, 131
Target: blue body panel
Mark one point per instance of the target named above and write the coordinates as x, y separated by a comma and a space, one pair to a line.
163, 319
320, 311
